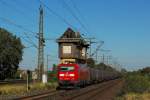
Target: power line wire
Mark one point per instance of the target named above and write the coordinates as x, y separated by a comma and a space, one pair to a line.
27, 42
79, 13
19, 11
21, 27
24, 6
59, 16
74, 15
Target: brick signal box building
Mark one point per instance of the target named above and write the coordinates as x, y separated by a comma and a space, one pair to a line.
72, 47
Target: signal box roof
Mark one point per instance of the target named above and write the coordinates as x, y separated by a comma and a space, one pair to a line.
70, 36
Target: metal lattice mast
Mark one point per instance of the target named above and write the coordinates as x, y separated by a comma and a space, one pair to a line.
41, 46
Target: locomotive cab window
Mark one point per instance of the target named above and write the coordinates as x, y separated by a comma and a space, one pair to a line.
64, 68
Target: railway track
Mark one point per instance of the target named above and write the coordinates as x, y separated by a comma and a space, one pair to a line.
39, 96
94, 91
87, 93
16, 82
12, 82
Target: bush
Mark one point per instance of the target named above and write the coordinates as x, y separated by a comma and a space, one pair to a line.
136, 83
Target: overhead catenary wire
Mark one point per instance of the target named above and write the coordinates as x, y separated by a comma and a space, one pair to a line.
24, 6
57, 15
79, 14
3, 2
12, 7
74, 15
20, 27
28, 41
21, 13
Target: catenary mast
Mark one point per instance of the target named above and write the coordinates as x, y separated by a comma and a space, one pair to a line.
41, 46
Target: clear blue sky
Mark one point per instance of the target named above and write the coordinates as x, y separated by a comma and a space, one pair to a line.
124, 25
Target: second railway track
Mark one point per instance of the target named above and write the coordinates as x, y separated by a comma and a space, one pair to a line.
12, 82
39, 96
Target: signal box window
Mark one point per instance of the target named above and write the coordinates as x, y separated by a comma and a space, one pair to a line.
67, 49
64, 68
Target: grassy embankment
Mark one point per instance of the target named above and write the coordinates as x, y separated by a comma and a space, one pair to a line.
137, 86
19, 89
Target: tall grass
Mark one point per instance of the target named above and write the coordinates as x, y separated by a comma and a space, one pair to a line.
12, 89
135, 96
22, 88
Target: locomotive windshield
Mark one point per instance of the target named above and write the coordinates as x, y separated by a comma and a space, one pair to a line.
67, 68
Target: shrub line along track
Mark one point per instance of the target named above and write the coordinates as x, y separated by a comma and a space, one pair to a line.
76, 94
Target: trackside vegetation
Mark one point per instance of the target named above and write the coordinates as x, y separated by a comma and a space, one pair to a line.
21, 89
11, 51
137, 85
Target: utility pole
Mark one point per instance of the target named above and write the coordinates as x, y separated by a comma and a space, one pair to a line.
47, 65
90, 47
90, 42
103, 58
97, 49
41, 46
47, 62
108, 59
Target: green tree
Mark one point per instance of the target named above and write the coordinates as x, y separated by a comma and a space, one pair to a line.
123, 70
101, 66
11, 51
54, 67
146, 70
137, 83
91, 62
104, 67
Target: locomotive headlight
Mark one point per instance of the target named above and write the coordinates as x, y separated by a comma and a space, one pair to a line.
71, 74
61, 74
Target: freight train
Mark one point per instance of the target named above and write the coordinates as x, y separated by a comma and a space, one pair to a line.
79, 75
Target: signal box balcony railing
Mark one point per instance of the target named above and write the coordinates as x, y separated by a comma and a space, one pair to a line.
80, 41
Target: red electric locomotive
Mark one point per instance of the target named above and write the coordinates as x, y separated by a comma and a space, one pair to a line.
79, 75
73, 75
